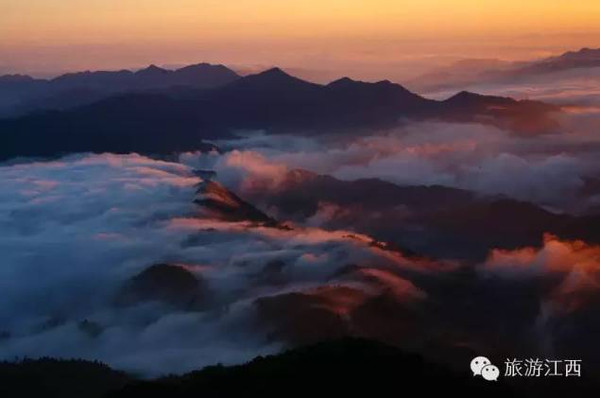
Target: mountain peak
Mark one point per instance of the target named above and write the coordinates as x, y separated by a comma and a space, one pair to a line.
275, 69
220, 202
348, 81
202, 66
16, 78
273, 75
152, 70
583, 58
381, 88
275, 72
204, 72
587, 50
274, 79
482, 103
584, 53
342, 82
466, 95
470, 98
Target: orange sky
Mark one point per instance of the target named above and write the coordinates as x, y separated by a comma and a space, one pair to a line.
357, 36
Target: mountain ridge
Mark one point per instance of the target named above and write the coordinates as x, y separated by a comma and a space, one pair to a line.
20, 94
164, 122
467, 72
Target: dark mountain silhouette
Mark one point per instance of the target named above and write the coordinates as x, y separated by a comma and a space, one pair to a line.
346, 367
150, 123
16, 79
224, 204
272, 80
171, 284
53, 378
273, 100
524, 116
431, 220
21, 94
278, 101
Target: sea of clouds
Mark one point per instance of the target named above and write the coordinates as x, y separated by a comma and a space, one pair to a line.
75, 229
549, 170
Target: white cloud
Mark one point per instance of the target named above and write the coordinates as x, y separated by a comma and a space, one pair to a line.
75, 229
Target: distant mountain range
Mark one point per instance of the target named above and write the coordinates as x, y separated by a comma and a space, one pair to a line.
172, 120
584, 58
478, 71
20, 94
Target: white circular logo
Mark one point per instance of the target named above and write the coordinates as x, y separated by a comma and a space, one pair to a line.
478, 363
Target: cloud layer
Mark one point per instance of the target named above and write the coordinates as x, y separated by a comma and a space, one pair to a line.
549, 170
75, 229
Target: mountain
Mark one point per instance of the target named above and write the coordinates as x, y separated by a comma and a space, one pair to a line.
272, 80
144, 123
166, 122
584, 58
524, 116
221, 203
275, 100
62, 378
16, 79
469, 72
434, 221
342, 368
345, 367
21, 94
167, 283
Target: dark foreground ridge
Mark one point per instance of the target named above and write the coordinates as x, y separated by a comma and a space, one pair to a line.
53, 378
347, 367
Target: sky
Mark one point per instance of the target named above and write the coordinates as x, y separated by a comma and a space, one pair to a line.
368, 39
